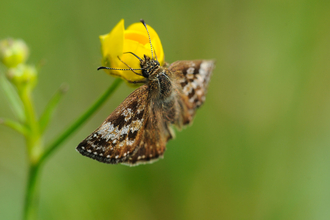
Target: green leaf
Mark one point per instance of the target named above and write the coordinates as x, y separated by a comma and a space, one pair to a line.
81, 120
14, 125
14, 100
50, 108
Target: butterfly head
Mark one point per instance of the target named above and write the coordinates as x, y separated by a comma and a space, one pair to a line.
148, 66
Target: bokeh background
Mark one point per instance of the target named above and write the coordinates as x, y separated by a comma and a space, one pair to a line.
259, 148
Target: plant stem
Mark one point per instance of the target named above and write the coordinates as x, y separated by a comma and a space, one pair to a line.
30, 210
31, 196
33, 139
83, 118
35, 149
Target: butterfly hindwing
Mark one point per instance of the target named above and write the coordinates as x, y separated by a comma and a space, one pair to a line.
153, 140
192, 78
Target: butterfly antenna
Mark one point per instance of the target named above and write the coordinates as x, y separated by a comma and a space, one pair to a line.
109, 68
134, 55
152, 52
130, 68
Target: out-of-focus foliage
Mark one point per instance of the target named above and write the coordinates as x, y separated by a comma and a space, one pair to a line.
259, 148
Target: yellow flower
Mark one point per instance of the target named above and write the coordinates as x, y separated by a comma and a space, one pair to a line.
134, 39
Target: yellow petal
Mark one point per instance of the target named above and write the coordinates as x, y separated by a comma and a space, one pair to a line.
159, 50
139, 27
155, 40
112, 43
132, 61
138, 49
142, 38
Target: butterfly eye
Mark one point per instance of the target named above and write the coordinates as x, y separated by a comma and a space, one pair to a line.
157, 63
145, 73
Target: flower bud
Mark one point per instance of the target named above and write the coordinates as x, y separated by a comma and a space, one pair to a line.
23, 75
13, 52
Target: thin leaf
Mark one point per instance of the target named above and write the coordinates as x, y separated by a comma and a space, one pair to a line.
50, 108
81, 120
14, 100
15, 126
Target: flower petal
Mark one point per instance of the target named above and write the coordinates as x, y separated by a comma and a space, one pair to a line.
132, 61
139, 27
155, 40
138, 49
142, 38
112, 43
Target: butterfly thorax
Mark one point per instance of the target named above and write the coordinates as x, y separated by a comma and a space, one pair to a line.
158, 79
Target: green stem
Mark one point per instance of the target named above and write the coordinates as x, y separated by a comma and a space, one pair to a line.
35, 148
83, 118
31, 196
30, 210
33, 139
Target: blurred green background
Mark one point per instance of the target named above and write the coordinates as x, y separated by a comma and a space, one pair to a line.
258, 148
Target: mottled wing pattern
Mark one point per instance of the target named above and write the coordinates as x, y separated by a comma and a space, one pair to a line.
193, 78
117, 139
153, 141
132, 134
138, 130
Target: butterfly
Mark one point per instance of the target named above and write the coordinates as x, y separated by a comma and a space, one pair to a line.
137, 131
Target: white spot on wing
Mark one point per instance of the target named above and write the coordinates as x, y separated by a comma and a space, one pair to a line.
124, 130
127, 113
190, 70
136, 125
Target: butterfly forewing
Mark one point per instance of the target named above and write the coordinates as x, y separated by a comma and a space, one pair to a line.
133, 134
118, 137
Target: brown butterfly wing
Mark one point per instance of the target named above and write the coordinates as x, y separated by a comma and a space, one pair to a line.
154, 138
119, 136
134, 133
192, 78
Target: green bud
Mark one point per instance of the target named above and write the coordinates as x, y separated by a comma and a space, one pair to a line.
13, 52
23, 76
